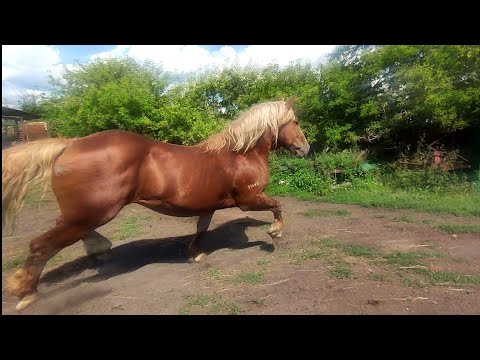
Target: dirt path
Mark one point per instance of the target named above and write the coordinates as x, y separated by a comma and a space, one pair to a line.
339, 259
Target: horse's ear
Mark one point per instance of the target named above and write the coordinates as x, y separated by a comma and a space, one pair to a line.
290, 102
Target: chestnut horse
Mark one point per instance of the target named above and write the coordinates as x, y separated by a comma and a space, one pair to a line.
94, 177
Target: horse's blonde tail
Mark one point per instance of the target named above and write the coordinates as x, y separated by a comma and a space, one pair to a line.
24, 165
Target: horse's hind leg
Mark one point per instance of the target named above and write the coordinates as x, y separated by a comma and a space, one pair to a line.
96, 244
23, 283
93, 242
194, 250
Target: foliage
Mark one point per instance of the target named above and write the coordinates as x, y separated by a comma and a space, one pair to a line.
364, 95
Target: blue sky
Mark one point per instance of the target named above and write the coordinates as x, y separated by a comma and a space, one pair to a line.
26, 68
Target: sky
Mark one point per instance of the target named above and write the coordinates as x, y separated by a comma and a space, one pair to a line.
26, 68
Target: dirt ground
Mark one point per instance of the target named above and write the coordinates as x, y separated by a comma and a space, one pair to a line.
333, 259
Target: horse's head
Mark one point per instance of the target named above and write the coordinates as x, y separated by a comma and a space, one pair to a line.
290, 136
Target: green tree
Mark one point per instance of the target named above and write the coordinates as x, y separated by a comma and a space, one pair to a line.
31, 103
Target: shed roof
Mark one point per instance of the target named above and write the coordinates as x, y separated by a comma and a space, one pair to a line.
6, 111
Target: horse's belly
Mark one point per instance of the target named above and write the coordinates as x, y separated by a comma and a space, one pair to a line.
190, 207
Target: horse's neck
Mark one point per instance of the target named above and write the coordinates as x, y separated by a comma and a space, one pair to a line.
263, 146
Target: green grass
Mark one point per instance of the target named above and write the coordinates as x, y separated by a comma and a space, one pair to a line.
383, 197
451, 228
263, 262
200, 300
12, 263
460, 204
213, 273
35, 196
399, 258
230, 308
446, 277
326, 213
328, 249
254, 277
420, 277
212, 305
411, 267
328, 242
259, 301
341, 271
361, 250
57, 259
127, 228
378, 277
405, 218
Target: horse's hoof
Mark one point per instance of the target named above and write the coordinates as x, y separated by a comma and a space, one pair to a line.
199, 257
276, 234
26, 301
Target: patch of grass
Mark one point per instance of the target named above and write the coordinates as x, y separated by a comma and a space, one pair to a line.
456, 204
328, 242
423, 277
213, 273
201, 300
341, 271
127, 228
254, 277
54, 261
230, 308
12, 263
405, 218
234, 308
399, 258
453, 228
413, 282
35, 196
446, 277
263, 262
258, 301
384, 197
326, 213
361, 250
378, 277
331, 251
378, 216
212, 305
325, 248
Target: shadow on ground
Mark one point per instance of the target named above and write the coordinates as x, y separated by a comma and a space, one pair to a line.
136, 254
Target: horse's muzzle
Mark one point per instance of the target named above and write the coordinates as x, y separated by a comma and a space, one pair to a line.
301, 150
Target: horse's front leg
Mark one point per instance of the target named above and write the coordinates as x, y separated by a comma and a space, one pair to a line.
262, 202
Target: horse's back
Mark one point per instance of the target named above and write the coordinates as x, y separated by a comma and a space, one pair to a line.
113, 137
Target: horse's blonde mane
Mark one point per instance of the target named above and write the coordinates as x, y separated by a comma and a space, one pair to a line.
243, 132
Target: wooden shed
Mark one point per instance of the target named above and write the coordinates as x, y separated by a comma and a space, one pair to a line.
18, 126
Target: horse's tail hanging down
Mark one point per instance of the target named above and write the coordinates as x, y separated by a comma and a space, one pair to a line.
24, 165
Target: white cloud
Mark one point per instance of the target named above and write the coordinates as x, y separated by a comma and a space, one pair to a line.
284, 54
186, 58
25, 70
